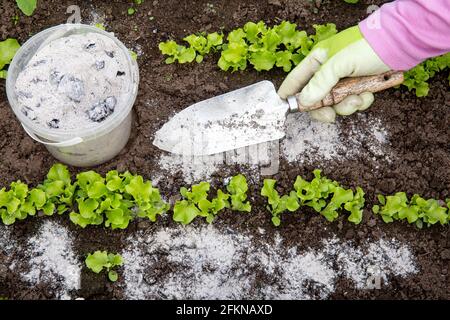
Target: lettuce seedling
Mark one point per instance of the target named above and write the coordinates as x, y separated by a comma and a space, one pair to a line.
278, 205
237, 188
418, 210
195, 203
54, 195
314, 194
340, 197
8, 49
210, 209
100, 260
13, 203
234, 54
58, 189
97, 204
430, 211
27, 6
186, 210
323, 32
417, 78
356, 206
204, 45
177, 53
322, 194
283, 46
145, 197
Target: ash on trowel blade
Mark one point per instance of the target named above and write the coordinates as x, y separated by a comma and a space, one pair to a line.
182, 135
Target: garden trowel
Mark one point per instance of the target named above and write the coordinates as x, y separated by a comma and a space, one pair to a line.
250, 115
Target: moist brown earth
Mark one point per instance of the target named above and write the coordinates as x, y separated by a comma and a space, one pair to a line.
418, 127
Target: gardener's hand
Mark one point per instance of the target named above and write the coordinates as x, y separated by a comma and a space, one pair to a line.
346, 54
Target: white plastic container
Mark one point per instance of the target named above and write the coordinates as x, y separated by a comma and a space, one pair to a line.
86, 147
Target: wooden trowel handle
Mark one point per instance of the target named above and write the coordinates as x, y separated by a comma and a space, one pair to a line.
352, 86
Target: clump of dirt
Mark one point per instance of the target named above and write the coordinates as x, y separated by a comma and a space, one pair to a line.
416, 130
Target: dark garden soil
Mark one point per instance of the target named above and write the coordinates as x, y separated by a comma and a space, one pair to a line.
418, 127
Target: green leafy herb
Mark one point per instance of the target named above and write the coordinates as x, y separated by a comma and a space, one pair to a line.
177, 53
322, 194
237, 189
417, 210
8, 49
263, 47
281, 46
417, 78
100, 26
278, 205
27, 6
100, 260
195, 202
144, 196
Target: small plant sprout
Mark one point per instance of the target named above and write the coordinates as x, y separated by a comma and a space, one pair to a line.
100, 260
321, 194
282, 46
133, 54
417, 78
195, 202
237, 188
276, 204
256, 44
100, 26
417, 210
8, 49
116, 199
27, 6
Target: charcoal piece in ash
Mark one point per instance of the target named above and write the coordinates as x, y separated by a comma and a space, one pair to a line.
110, 53
111, 103
55, 77
99, 65
28, 112
24, 94
120, 73
37, 80
54, 124
38, 63
90, 46
102, 109
72, 87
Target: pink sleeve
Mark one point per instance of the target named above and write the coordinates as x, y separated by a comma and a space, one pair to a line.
405, 32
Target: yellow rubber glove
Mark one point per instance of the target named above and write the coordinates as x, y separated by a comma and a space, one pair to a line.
346, 54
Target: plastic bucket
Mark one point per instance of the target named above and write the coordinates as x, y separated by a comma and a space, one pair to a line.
84, 147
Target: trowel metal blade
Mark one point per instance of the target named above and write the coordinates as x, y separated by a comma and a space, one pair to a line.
237, 119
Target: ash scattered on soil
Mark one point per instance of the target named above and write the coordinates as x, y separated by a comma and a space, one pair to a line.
417, 130
307, 141
7, 241
208, 263
52, 260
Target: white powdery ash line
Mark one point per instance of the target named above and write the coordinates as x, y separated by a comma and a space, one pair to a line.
307, 141
52, 259
195, 252
7, 242
213, 264
310, 141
